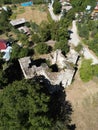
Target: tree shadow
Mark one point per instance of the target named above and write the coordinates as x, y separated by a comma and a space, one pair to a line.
54, 68
60, 109
72, 127
13, 72
38, 62
70, 32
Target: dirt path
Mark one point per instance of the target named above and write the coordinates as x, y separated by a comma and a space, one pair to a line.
84, 100
74, 35
75, 40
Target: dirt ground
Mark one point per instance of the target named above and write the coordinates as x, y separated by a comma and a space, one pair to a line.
33, 13
84, 100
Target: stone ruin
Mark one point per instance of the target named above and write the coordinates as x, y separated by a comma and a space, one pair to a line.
65, 64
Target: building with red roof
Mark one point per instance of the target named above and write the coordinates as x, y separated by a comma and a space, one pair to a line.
3, 45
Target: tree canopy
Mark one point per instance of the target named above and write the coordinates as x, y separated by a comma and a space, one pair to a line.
42, 48
80, 5
57, 7
27, 105
23, 106
63, 45
4, 21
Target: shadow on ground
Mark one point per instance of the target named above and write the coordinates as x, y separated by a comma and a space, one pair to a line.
60, 109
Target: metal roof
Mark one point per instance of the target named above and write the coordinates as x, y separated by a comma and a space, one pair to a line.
17, 21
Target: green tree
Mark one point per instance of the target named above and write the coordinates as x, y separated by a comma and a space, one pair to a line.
93, 45
70, 15
62, 34
23, 105
83, 31
23, 52
15, 51
54, 29
26, 105
4, 21
23, 38
57, 7
42, 48
63, 45
35, 38
80, 5
34, 26
45, 31
3, 79
19, 52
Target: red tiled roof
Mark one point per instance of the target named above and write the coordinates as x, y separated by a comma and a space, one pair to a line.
2, 44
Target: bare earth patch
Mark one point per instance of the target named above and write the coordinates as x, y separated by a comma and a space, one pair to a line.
33, 13
84, 100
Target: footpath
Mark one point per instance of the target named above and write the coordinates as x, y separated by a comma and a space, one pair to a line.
75, 40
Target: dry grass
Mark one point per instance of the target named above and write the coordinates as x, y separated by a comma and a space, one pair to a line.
3, 36
31, 13
84, 99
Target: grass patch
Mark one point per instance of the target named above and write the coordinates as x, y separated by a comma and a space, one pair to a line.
14, 15
91, 100
21, 11
86, 73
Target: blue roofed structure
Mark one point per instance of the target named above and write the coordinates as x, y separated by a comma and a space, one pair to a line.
30, 3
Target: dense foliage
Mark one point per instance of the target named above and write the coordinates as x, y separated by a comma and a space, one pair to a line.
19, 52
88, 31
83, 31
45, 32
24, 106
42, 48
3, 79
57, 7
4, 21
80, 5
27, 105
63, 46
